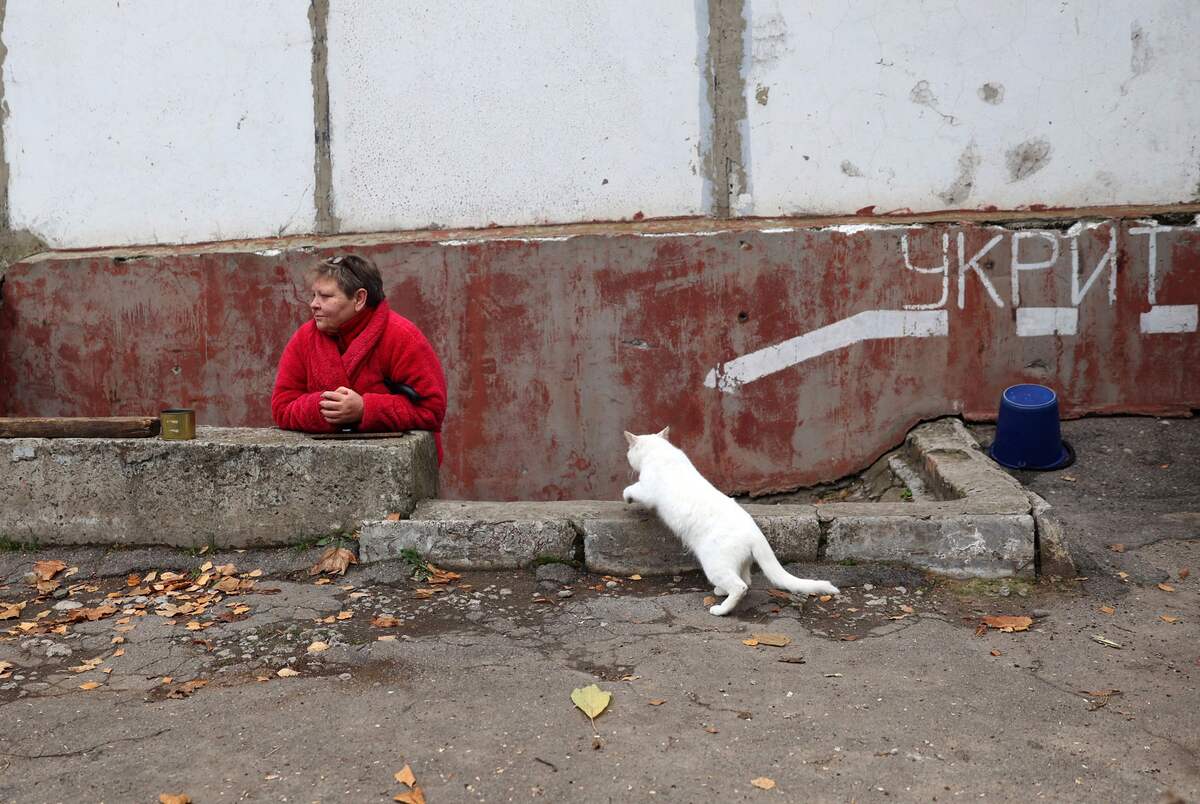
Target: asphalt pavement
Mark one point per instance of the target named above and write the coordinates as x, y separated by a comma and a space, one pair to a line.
241, 677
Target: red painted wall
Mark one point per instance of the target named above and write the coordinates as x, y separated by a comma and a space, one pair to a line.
552, 347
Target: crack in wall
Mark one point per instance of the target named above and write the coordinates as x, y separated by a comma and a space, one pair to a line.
725, 164
318, 19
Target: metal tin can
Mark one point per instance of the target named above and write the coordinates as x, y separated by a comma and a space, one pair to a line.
178, 424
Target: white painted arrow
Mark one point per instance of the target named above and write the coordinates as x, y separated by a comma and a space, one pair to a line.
865, 326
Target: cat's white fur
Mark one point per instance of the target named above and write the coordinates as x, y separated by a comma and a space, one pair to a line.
713, 526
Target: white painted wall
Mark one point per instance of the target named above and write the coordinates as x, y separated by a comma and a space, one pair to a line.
470, 113
147, 121
880, 103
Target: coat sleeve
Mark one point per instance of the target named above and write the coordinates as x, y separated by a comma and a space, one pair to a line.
411, 360
293, 406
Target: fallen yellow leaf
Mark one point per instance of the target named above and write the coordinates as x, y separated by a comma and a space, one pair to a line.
334, 560
635, 577
825, 598
386, 638
89, 685
174, 798
318, 647
763, 783
414, 796
384, 621
1166, 587
592, 700
1008, 624
405, 776
1107, 610
11, 610
45, 570
709, 600
774, 640
1167, 618
254, 573
286, 672
751, 643
657, 701
345, 615
322, 581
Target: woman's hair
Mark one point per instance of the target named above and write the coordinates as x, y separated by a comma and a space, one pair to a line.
352, 273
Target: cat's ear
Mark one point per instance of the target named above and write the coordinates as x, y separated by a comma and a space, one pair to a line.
664, 432
631, 438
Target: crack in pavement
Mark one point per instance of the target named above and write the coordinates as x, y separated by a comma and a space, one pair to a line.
81, 751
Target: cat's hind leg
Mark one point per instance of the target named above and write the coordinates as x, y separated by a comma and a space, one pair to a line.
730, 581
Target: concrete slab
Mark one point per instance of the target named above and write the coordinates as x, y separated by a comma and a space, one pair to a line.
615, 538
985, 529
961, 547
483, 535
229, 487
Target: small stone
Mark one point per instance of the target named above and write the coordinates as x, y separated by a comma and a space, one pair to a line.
565, 593
611, 584
58, 650
1004, 591
59, 593
902, 590
67, 605
867, 587
141, 600
676, 578
344, 677
1040, 613
505, 591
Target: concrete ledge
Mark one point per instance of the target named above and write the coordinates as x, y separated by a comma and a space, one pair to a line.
229, 487
1054, 557
987, 526
476, 535
631, 540
961, 547
617, 539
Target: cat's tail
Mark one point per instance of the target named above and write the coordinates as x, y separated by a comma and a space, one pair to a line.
764, 556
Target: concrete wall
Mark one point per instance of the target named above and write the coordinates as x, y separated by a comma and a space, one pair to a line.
476, 113
779, 356
170, 122
781, 352
947, 105
144, 122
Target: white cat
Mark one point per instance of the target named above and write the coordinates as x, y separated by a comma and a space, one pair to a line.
713, 526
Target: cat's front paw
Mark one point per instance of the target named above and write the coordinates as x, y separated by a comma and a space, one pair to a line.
826, 588
718, 610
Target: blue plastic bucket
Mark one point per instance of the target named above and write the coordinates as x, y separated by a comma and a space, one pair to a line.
1028, 435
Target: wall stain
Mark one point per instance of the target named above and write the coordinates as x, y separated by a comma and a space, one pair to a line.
1140, 54
922, 95
850, 169
1027, 158
992, 93
761, 93
960, 189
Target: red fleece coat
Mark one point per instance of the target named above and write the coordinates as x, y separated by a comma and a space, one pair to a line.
389, 348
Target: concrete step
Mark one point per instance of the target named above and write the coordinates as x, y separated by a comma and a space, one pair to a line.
228, 487
983, 524
608, 537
